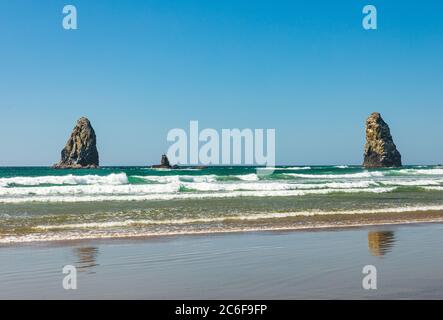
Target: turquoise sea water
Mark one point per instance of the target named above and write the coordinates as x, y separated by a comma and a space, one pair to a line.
39, 204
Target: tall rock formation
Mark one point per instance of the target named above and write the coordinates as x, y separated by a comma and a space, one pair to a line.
81, 149
380, 150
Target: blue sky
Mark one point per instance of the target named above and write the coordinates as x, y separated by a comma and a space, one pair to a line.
137, 69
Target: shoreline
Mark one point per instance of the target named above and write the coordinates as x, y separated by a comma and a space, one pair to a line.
268, 230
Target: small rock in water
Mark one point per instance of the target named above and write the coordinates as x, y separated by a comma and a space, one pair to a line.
164, 161
164, 164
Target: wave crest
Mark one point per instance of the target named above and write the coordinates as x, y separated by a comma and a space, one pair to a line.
111, 179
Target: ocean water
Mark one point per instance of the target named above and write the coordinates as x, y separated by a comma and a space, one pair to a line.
43, 204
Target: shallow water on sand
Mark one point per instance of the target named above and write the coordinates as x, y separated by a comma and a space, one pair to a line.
265, 265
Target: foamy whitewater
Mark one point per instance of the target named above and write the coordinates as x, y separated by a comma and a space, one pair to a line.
41, 204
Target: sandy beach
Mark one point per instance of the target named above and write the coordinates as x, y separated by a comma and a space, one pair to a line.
323, 264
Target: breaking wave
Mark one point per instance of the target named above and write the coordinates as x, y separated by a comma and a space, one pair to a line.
140, 184
366, 174
161, 192
112, 179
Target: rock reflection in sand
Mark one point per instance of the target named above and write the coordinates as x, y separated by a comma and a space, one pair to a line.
380, 242
87, 258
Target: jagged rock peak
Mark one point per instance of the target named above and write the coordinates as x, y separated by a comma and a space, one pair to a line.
164, 164
81, 149
164, 161
380, 150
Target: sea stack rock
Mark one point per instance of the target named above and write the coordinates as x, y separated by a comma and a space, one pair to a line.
164, 161
164, 164
380, 150
81, 149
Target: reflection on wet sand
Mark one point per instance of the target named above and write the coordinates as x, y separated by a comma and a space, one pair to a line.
380, 242
87, 257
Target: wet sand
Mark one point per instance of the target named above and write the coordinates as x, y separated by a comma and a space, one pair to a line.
323, 264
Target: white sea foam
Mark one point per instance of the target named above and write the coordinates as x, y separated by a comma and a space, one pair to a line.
434, 188
113, 229
178, 178
81, 190
365, 174
113, 234
115, 187
112, 179
239, 217
205, 178
199, 178
276, 186
248, 177
286, 168
420, 171
164, 194
412, 183
172, 185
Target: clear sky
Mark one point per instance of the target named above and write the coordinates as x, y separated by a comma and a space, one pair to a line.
137, 69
